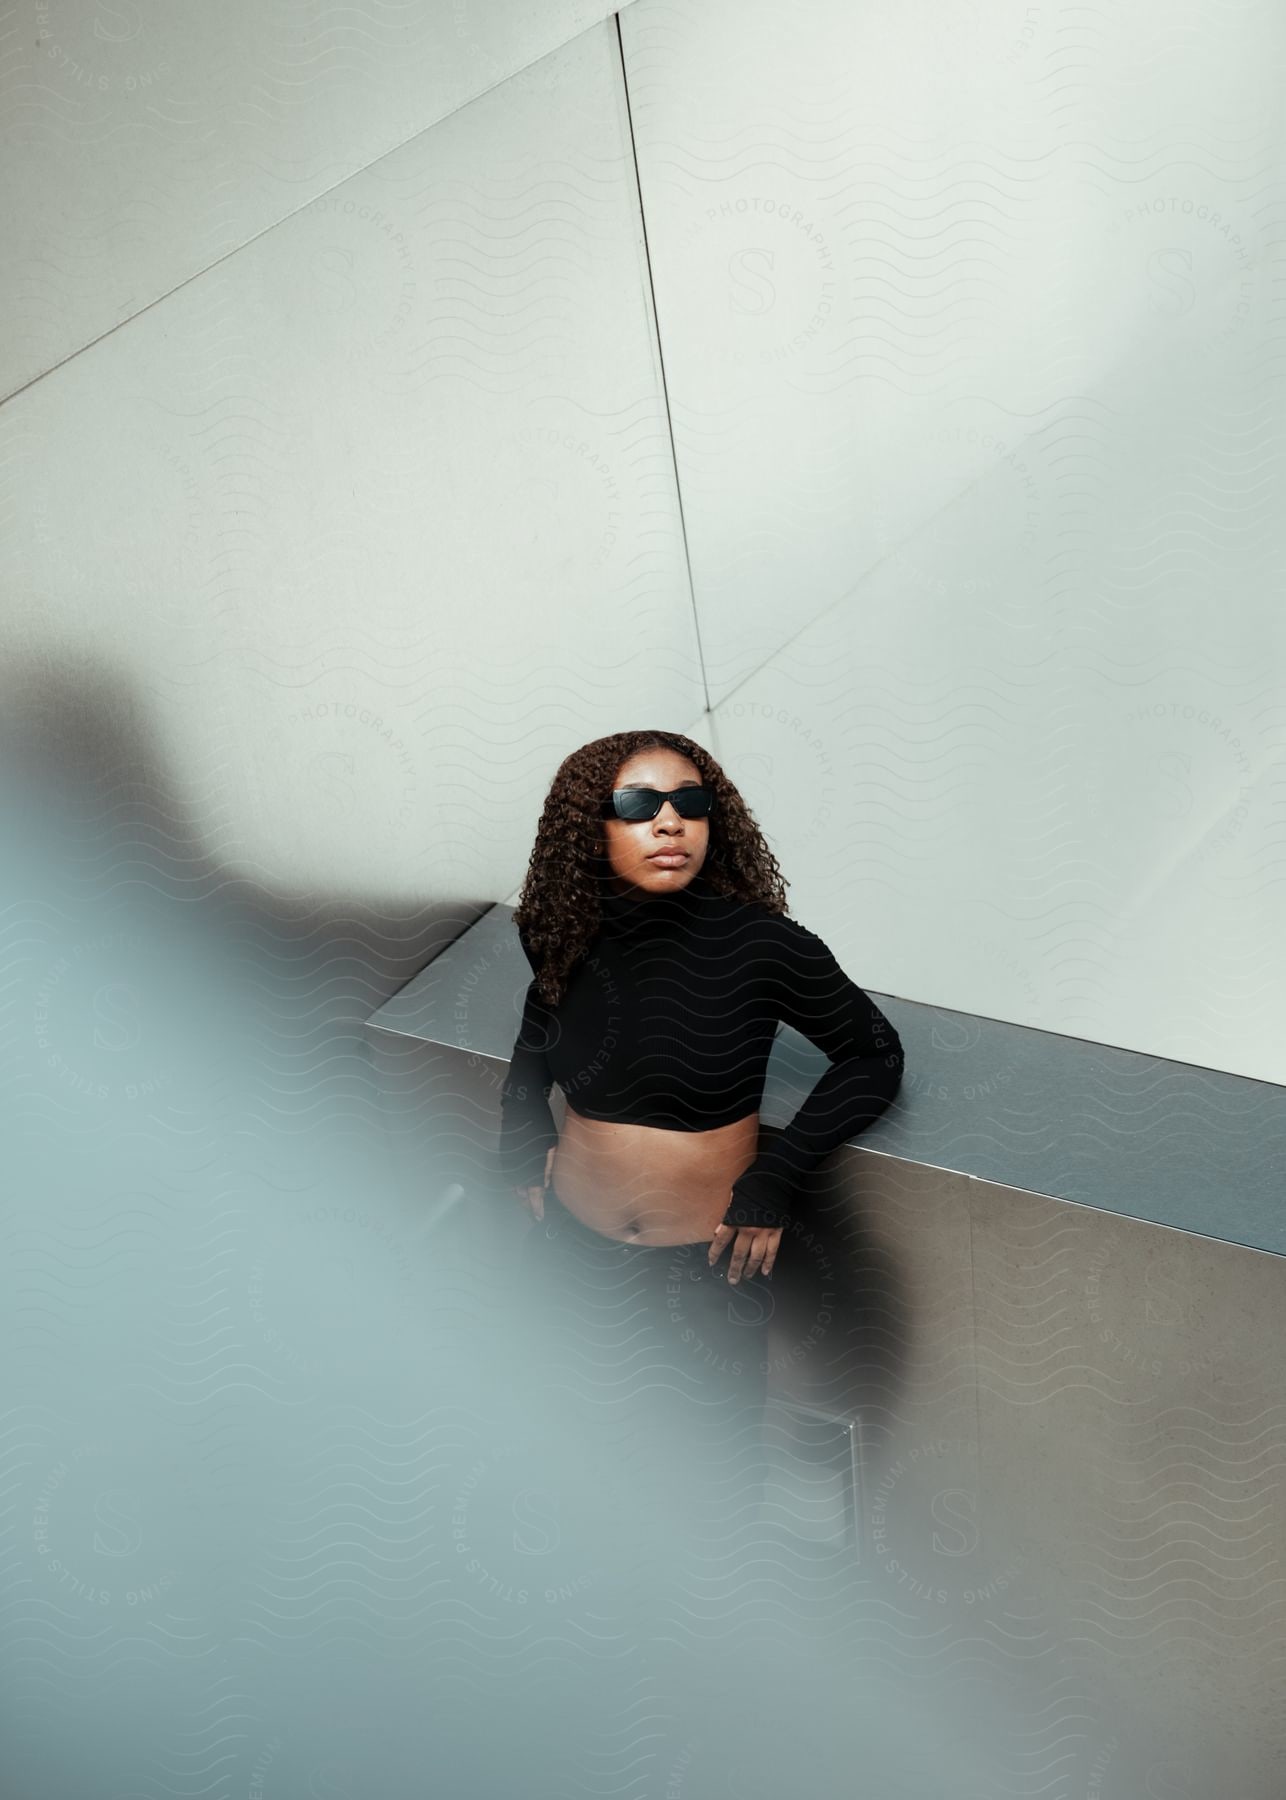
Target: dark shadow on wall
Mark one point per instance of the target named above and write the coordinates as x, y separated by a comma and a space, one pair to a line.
179, 971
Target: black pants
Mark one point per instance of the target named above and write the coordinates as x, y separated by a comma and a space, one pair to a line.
646, 1364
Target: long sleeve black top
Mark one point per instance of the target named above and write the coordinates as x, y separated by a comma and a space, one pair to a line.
668, 1021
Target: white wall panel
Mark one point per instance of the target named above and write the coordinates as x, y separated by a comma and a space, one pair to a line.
973, 330
144, 140
371, 555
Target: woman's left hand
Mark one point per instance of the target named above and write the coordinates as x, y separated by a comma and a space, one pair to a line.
755, 1249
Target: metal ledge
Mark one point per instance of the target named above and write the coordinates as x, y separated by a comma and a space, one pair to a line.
1164, 1142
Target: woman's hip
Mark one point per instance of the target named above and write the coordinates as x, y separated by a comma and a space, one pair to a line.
624, 1304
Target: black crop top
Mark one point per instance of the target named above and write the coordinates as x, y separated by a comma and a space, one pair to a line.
668, 1021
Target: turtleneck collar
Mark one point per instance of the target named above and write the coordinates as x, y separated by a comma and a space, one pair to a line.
637, 910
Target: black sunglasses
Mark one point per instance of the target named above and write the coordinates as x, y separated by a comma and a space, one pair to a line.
637, 804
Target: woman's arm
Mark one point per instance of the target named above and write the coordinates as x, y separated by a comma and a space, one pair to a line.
814, 995
527, 1129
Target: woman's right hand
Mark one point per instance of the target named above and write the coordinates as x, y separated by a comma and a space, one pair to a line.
533, 1198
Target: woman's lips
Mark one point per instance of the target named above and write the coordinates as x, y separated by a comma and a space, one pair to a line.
669, 859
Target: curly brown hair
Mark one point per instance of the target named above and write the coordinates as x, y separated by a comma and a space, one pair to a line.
558, 911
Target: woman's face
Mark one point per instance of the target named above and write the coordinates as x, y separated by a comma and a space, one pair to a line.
632, 847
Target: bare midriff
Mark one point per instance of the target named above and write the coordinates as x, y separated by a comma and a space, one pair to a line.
645, 1185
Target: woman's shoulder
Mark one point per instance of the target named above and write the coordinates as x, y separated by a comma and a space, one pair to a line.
790, 945
754, 921
535, 957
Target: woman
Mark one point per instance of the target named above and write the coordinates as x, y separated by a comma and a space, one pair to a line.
653, 916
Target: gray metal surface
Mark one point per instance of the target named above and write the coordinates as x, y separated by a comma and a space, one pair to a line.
1165, 1142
